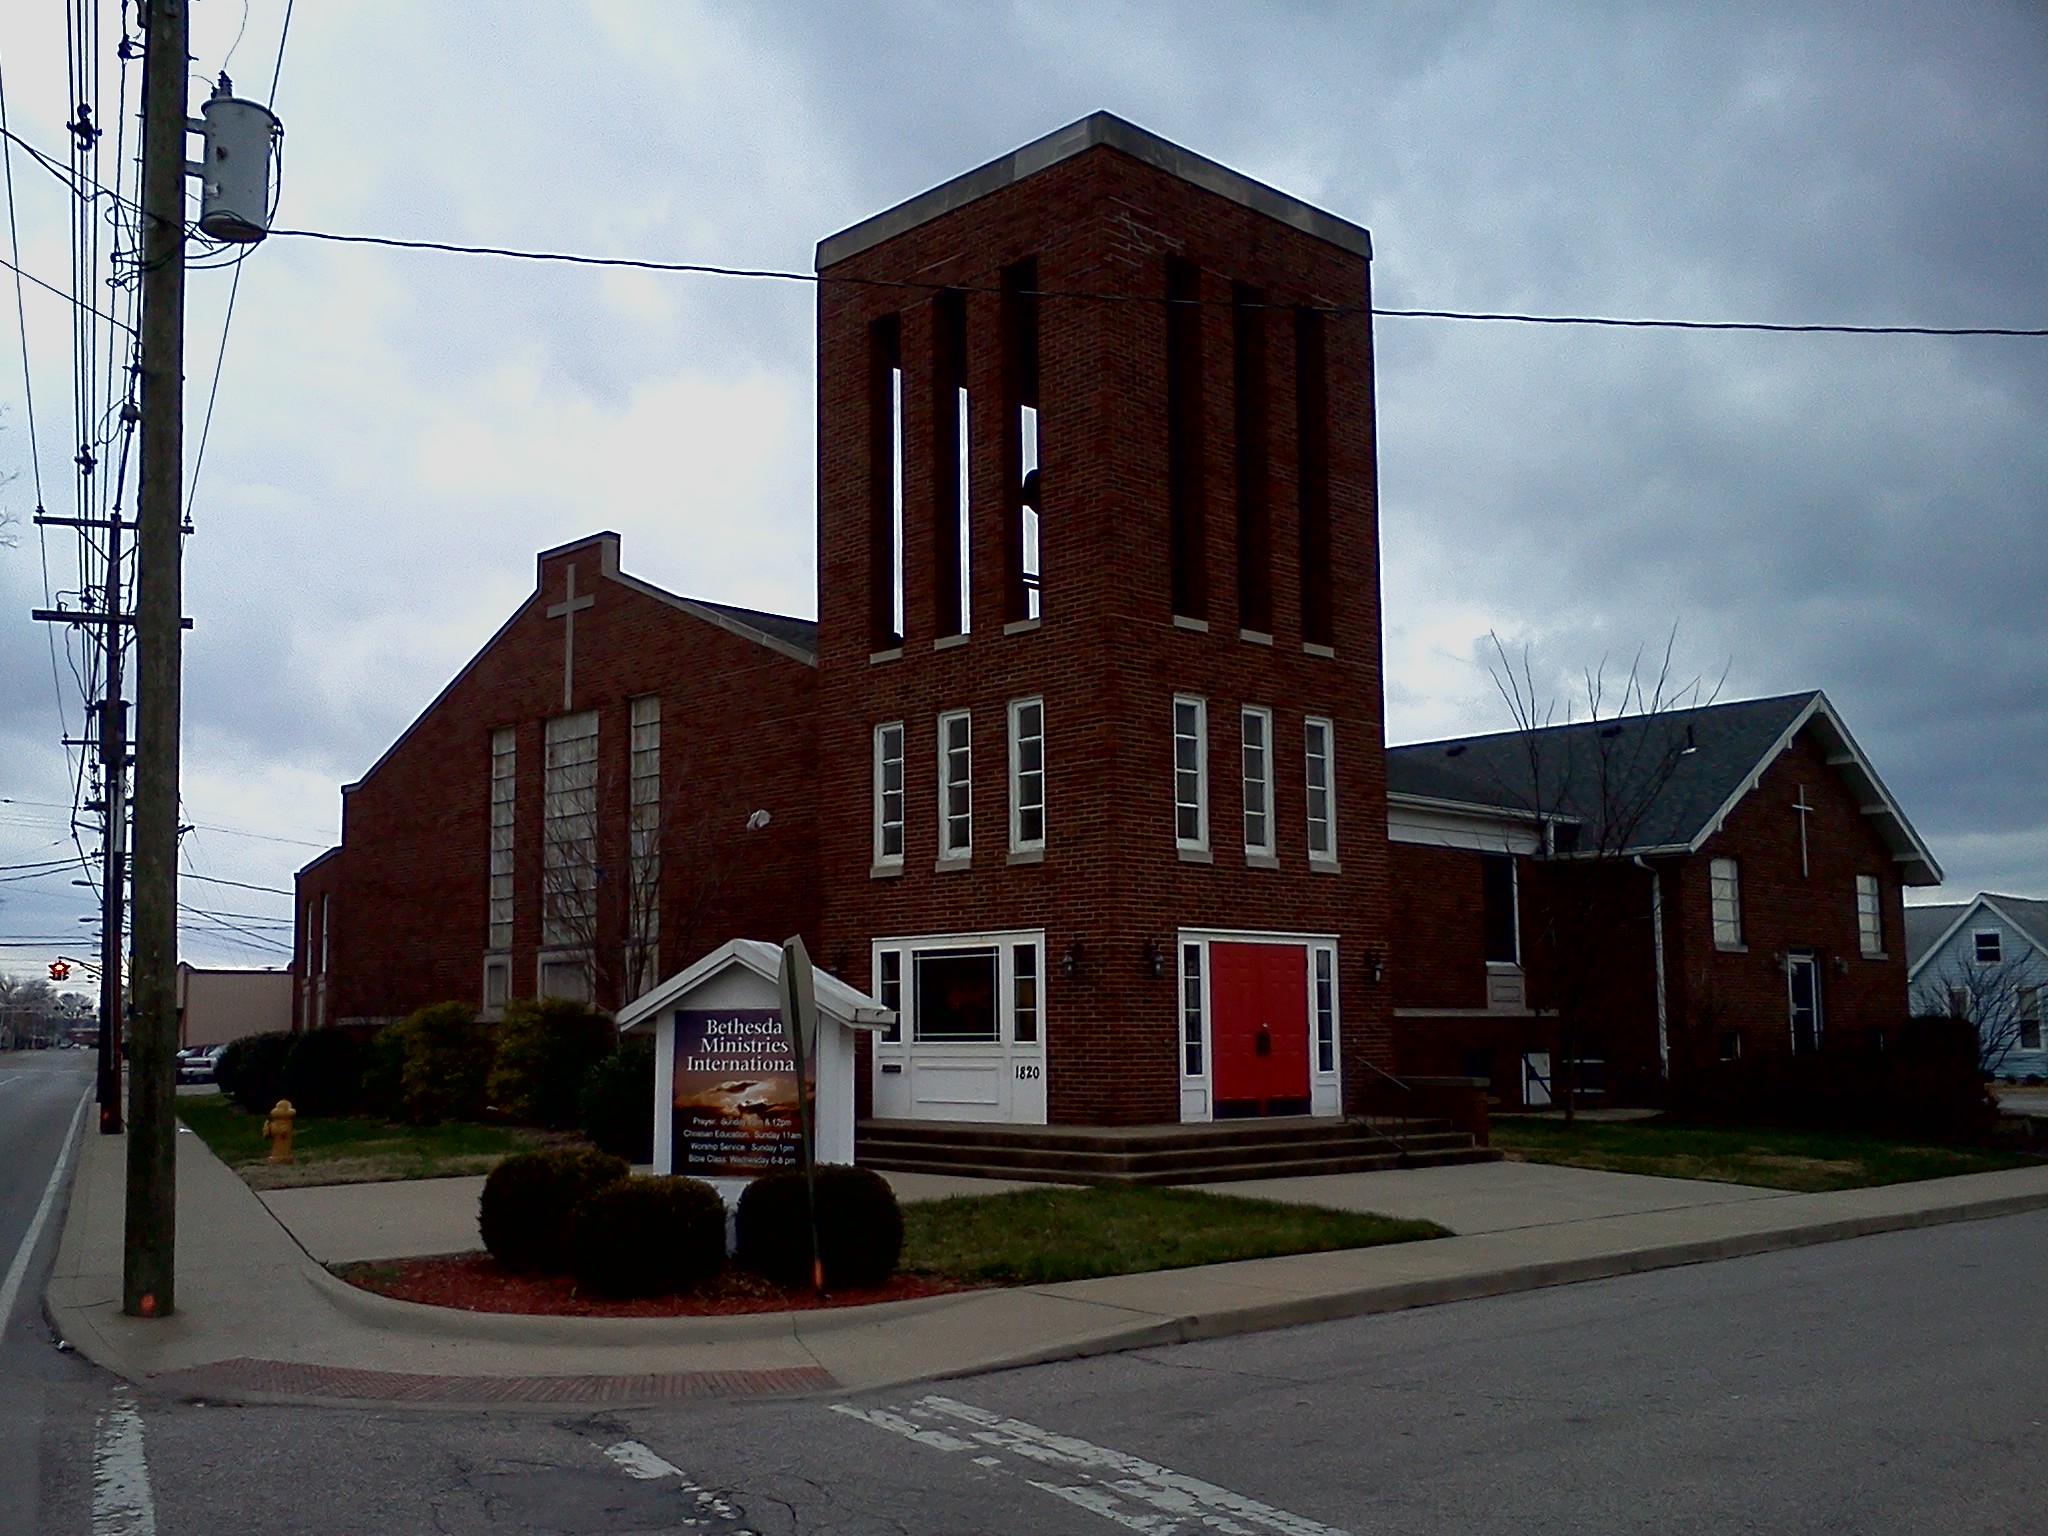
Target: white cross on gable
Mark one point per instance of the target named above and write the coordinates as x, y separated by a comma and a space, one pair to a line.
1804, 811
566, 610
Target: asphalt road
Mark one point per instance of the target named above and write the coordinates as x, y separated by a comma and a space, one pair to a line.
47, 1399
1892, 1384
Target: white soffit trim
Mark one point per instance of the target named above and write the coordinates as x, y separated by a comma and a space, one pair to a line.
1918, 865
1440, 824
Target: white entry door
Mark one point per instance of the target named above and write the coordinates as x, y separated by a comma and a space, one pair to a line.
969, 1043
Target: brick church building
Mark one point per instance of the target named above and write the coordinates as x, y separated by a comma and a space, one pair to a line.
1082, 766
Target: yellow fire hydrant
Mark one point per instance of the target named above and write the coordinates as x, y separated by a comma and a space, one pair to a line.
279, 1129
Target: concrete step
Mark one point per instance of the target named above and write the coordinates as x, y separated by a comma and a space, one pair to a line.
1121, 1139
883, 1152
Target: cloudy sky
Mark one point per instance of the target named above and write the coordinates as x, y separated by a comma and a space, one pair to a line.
396, 434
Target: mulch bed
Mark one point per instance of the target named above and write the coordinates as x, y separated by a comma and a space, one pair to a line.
476, 1282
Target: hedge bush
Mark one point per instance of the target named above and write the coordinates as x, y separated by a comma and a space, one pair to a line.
447, 1064
384, 1072
527, 1213
648, 1237
323, 1072
616, 1108
251, 1071
546, 1046
860, 1228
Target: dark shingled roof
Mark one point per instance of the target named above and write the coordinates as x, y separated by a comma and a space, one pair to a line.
801, 633
1571, 762
1730, 745
1926, 925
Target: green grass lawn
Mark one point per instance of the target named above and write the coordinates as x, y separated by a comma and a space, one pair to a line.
1036, 1236
351, 1149
1765, 1156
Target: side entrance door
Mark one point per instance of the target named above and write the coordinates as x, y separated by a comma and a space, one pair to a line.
1259, 993
1802, 981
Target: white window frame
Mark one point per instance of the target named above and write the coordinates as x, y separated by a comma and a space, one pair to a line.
1997, 946
504, 803
954, 851
1724, 903
1869, 917
1256, 765
2028, 1007
1312, 728
1198, 709
1027, 785
884, 823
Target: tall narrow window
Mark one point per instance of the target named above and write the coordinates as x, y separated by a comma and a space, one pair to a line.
1497, 909
1191, 775
1258, 781
956, 787
885, 482
889, 793
1319, 750
2029, 1000
1869, 917
1254, 517
1724, 897
1024, 993
643, 846
1020, 387
951, 464
1312, 439
1027, 774
504, 764
568, 912
889, 989
1326, 1010
1187, 551
1191, 1009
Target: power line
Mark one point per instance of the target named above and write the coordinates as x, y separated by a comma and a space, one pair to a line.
776, 274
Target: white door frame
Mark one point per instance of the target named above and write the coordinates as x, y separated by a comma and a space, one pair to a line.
1002, 1081
1197, 1089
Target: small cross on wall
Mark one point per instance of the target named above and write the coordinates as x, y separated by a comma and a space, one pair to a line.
1804, 811
566, 610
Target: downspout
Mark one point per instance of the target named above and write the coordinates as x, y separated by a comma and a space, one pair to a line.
1657, 943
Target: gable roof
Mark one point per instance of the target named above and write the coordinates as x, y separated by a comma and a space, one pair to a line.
1715, 753
845, 1005
1098, 128
794, 638
2022, 914
1927, 926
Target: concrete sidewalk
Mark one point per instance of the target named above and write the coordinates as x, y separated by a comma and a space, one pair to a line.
259, 1319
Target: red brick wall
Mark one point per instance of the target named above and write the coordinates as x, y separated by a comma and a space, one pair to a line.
1439, 946
1715, 990
410, 914
1106, 658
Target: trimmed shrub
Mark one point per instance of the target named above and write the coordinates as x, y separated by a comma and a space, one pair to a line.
545, 1048
616, 1109
251, 1071
648, 1237
527, 1212
323, 1072
860, 1228
447, 1064
384, 1072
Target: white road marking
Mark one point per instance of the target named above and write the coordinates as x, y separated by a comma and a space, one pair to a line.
121, 1505
10, 1288
1126, 1490
637, 1461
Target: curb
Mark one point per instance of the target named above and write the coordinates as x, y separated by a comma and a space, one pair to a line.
1187, 1328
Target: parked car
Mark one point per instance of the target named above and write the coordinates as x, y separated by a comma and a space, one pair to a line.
196, 1064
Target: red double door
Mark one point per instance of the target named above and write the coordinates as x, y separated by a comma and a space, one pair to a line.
1258, 999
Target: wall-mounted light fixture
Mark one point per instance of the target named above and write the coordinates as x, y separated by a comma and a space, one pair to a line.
1375, 966
1841, 965
1070, 960
1153, 959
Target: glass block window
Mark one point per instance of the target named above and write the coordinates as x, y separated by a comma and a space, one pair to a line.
504, 763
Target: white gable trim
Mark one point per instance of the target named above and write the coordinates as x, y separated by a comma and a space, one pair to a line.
1982, 902
846, 1006
1432, 823
1918, 865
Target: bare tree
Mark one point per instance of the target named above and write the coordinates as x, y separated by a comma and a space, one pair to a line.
1591, 792
2003, 998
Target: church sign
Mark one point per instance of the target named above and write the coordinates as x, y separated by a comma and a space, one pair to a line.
734, 1093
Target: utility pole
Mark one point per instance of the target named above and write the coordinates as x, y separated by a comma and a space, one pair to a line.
148, 1283
114, 855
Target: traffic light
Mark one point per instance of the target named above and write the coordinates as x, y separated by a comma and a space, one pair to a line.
59, 969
